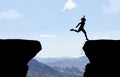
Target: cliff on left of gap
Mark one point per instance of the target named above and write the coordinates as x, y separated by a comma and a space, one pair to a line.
15, 54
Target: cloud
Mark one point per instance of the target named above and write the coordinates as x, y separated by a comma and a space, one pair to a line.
101, 37
69, 5
46, 35
11, 14
115, 34
113, 8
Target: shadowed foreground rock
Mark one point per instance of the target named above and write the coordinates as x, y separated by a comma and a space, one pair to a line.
15, 54
104, 58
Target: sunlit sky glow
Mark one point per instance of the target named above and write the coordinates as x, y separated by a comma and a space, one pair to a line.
49, 21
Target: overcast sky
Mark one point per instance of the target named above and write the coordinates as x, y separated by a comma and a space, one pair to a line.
49, 21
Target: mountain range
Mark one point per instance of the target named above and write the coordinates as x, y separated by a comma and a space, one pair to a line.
57, 67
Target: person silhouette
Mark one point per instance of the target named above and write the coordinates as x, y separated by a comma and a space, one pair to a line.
81, 27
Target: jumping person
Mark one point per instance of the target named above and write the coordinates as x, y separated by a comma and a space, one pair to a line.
81, 27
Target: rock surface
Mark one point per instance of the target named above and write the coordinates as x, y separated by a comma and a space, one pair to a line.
15, 54
103, 57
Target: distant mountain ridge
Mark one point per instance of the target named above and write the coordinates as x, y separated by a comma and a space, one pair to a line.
57, 67
65, 62
37, 69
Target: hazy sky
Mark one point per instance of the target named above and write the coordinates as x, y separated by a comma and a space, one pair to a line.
49, 21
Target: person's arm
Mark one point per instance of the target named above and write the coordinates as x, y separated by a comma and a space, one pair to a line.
78, 24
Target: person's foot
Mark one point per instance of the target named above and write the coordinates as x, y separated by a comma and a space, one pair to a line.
71, 29
87, 39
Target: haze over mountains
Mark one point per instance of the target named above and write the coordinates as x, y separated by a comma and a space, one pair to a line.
57, 67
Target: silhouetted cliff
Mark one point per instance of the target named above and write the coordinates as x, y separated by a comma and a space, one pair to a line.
103, 57
15, 54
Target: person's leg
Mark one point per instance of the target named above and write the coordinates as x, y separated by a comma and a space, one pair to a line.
85, 34
75, 30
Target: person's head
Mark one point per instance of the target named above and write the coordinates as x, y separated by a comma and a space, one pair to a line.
83, 19
83, 16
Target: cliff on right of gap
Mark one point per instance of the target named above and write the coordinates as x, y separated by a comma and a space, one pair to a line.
104, 58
